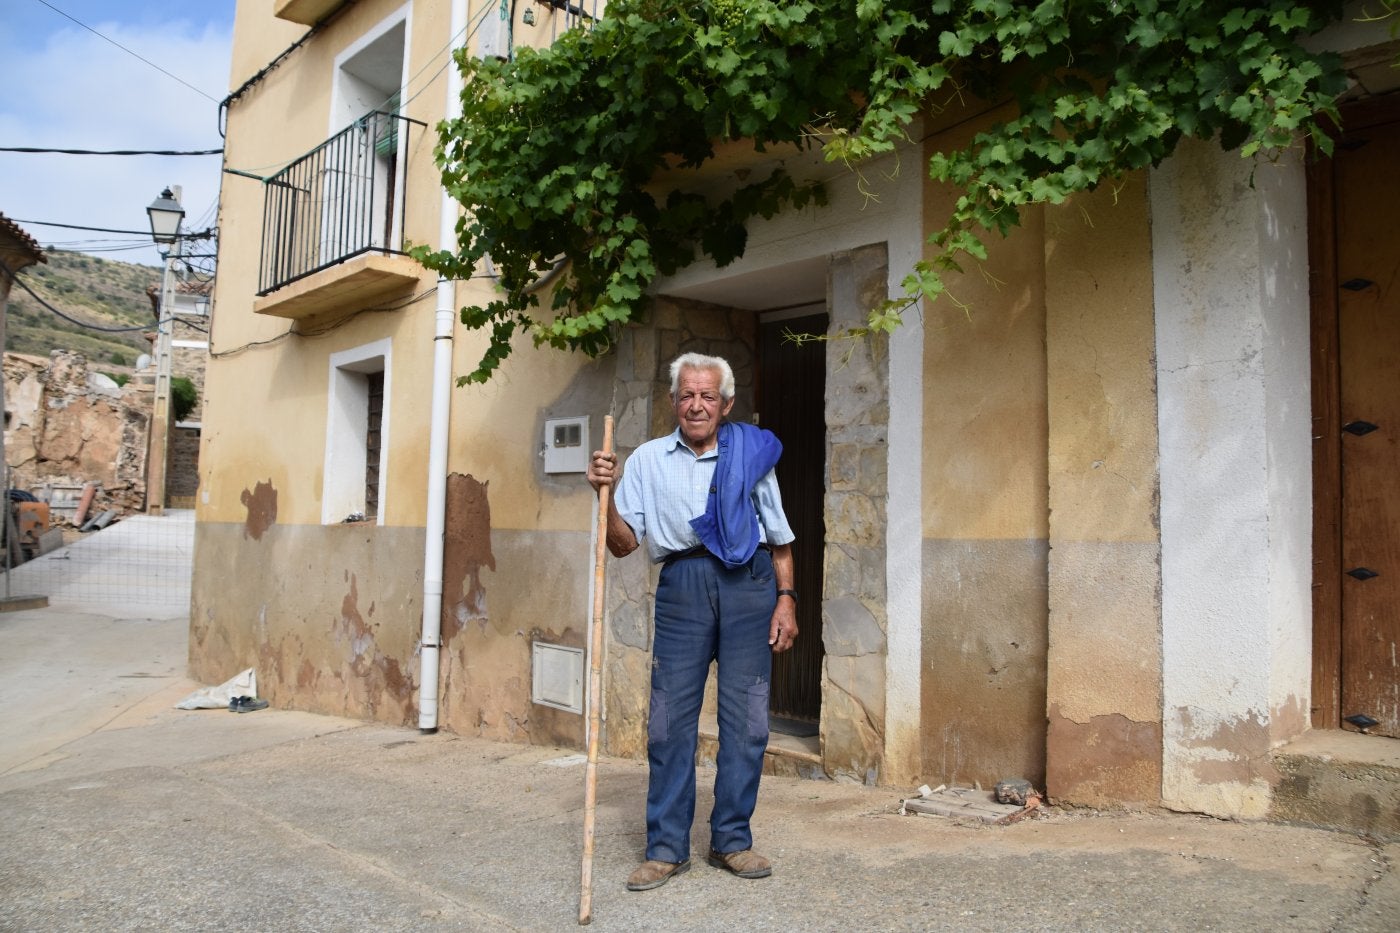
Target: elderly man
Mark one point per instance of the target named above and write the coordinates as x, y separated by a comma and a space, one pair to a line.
706, 502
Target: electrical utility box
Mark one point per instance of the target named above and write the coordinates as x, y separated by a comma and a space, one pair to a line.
566, 447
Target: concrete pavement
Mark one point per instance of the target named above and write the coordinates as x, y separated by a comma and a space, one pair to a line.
119, 812
136, 567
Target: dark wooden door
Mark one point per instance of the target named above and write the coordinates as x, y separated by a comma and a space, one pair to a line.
375, 386
791, 395
1367, 197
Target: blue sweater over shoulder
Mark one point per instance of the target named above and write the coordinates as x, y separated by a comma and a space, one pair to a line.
729, 526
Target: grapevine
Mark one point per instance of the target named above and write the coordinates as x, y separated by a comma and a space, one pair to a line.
554, 152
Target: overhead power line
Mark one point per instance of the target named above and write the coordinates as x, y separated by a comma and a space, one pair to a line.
115, 152
128, 51
201, 235
91, 247
45, 223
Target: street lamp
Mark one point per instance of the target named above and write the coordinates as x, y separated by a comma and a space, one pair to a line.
166, 214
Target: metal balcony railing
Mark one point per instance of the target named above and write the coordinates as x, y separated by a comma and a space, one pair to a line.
340, 200
580, 13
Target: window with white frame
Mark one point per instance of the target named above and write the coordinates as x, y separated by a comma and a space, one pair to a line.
357, 434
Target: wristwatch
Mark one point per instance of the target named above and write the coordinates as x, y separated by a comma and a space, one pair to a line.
792, 593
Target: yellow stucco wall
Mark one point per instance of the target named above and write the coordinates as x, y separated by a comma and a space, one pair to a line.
1041, 563
984, 506
1103, 398
984, 368
1104, 695
495, 427
278, 120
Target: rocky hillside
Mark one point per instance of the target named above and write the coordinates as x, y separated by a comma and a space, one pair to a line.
103, 292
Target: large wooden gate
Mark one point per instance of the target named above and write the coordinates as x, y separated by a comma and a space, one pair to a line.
1355, 200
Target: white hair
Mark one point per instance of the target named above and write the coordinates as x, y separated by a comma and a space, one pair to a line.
700, 361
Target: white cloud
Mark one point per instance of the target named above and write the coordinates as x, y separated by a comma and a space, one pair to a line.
73, 90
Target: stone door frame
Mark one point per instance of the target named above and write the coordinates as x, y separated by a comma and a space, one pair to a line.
857, 413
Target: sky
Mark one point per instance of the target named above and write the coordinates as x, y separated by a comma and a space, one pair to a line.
69, 88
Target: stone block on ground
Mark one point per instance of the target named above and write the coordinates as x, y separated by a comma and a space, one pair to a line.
963, 803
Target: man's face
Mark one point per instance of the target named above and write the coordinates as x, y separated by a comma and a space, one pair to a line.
699, 407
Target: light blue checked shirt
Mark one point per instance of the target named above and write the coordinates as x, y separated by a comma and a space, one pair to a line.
664, 486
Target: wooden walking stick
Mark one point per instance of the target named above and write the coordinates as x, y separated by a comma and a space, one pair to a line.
595, 684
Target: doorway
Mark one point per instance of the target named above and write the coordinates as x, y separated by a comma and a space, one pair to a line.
1353, 197
790, 397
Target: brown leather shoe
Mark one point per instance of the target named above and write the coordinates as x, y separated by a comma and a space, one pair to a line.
654, 874
746, 863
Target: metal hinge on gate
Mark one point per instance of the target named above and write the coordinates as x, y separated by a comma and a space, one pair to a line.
1360, 428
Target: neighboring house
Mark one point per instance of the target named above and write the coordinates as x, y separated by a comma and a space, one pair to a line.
18, 250
189, 355
1084, 534
66, 426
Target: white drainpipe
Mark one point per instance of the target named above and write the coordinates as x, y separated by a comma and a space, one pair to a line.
439, 427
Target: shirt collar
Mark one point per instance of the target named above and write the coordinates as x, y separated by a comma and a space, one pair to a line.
677, 443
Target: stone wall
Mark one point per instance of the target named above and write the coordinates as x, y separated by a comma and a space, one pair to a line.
182, 468
64, 427
854, 620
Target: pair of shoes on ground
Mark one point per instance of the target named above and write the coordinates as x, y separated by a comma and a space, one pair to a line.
245, 704
745, 863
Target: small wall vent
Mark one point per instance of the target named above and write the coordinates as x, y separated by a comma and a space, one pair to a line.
557, 677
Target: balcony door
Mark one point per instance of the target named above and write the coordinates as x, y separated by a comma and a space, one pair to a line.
360, 181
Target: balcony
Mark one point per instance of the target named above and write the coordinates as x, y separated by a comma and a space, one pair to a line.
333, 222
306, 12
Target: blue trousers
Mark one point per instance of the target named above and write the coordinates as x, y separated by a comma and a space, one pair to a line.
704, 613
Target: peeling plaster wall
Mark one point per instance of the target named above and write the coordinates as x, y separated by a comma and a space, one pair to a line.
1230, 273
330, 615
516, 555
504, 591
1104, 689
348, 645
327, 615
